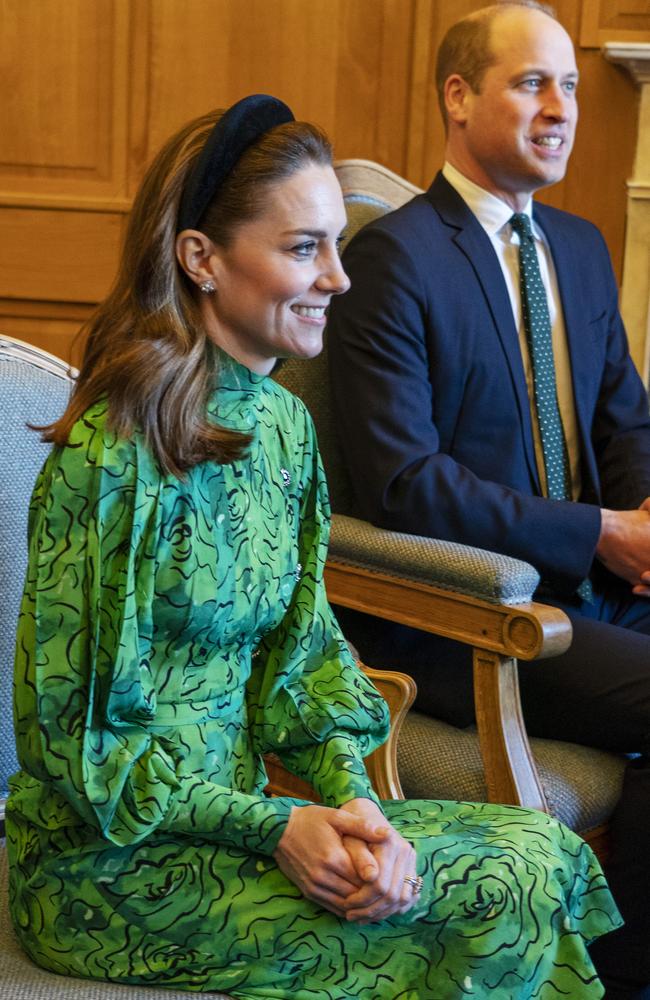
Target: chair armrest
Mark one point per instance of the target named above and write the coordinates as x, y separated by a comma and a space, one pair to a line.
475, 597
475, 572
398, 691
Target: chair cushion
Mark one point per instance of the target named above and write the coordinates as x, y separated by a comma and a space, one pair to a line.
25, 981
436, 760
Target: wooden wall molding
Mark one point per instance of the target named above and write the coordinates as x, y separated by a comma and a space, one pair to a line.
58, 256
92, 88
64, 203
64, 113
614, 21
52, 325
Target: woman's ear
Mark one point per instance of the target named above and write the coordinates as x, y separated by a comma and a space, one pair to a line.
195, 253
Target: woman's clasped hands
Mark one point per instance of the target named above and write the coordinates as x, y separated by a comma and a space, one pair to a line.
349, 860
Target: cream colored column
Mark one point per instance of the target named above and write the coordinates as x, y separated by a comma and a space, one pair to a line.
635, 292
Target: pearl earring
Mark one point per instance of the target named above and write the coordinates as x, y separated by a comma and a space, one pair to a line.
208, 287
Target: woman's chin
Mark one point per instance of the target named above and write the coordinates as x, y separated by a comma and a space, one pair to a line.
305, 349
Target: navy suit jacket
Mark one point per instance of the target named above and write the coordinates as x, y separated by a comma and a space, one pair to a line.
430, 393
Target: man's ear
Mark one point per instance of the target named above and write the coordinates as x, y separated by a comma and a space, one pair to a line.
195, 253
458, 94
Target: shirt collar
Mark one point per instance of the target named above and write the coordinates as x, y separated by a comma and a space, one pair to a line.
492, 212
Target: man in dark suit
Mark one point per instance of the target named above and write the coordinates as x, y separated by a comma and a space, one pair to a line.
485, 394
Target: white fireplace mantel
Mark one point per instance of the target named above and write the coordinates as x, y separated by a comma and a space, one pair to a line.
634, 56
635, 291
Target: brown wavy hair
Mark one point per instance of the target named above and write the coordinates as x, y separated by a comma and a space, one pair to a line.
147, 351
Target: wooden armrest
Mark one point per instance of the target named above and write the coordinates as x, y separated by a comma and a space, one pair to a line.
398, 690
499, 635
283, 782
527, 631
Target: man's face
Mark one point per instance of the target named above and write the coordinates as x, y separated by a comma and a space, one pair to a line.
516, 134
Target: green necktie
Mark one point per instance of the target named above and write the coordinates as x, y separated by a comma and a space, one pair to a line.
537, 325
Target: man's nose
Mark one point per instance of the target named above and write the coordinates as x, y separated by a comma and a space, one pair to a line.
557, 103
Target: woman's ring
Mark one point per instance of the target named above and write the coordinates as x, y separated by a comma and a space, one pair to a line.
415, 881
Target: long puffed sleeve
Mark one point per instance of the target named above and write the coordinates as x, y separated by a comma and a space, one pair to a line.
312, 705
88, 675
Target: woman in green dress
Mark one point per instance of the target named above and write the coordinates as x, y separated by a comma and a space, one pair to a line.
175, 628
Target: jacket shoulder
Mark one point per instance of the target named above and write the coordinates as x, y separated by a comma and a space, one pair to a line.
557, 220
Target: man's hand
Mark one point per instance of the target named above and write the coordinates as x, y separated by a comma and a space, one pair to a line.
624, 545
311, 852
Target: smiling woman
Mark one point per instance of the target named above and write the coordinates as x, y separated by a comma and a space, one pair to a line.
175, 628
274, 278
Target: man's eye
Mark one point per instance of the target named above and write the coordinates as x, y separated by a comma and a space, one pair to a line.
570, 86
340, 243
532, 83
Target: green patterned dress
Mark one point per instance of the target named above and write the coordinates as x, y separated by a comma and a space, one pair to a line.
171, 632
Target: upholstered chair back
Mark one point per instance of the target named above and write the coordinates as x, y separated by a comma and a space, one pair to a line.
34, 389
369, 191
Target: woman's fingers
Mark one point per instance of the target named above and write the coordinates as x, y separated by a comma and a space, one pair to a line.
362, 858
373, 831
389, 893
311, 853
353, 865
332, 883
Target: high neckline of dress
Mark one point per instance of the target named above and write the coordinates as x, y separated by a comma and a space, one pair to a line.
233, 375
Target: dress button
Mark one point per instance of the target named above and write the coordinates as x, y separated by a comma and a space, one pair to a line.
286, 478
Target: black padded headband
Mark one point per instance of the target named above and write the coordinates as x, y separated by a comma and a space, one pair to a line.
237, 129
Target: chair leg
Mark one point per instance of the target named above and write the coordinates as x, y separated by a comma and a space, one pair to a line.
510, 772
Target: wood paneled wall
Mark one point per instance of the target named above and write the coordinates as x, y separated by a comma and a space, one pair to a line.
91, 88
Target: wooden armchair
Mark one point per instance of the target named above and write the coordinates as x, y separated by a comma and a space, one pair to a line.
476, 597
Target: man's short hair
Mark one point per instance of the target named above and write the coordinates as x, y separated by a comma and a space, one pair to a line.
466, 49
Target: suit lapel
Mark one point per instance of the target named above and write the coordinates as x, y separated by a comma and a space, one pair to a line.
472, 240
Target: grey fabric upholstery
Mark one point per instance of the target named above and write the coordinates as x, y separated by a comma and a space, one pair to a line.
582, 785
436, 760
486, 575
310, 381
34, 387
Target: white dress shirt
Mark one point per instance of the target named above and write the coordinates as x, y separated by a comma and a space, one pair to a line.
494, 216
